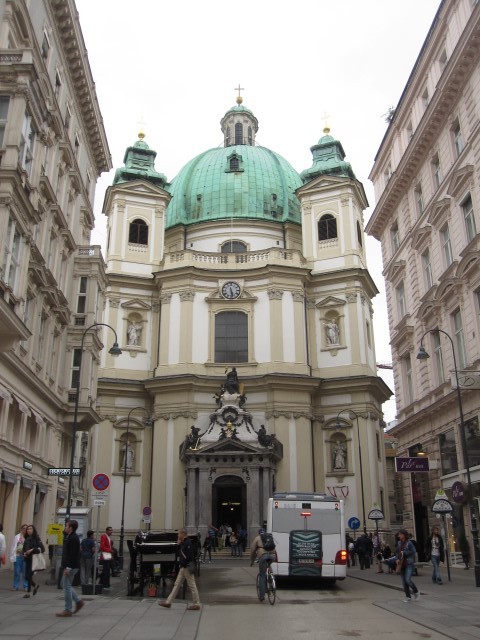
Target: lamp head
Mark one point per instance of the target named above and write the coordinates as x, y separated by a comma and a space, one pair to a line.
115, 350
422, 354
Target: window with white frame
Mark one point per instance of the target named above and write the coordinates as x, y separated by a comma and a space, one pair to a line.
395, 236
419, 199
11, 255
469, 217
459, 338
4, 103
41, 338
76, 363
82, 295
477, 297
58, 84
77, 144
427, 268
27, 143
446, 245
401, 302
457, 138
408, 377
436, 171
68, 117
45, 45
425, 99
409, 130
437, 351
443, 60
388, 172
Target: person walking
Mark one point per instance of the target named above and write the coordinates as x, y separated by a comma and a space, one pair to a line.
70, 567
406, 558
3, 547
362, 548
207, 548
106, 556
186, 558
17, 559
31, 546
435, 550
87, 555
233, 543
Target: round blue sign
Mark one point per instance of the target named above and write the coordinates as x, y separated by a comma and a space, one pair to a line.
354, 523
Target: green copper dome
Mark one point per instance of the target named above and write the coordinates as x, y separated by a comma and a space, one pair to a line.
239, 181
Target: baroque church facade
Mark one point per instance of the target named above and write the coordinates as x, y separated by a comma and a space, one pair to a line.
242, 301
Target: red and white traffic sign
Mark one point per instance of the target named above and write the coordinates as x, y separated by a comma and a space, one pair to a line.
101, 482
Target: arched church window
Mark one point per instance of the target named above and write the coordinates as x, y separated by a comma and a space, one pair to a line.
238, 133
234, 164
227, 137
231, 337
138, 232
359, 234
250, 138
233, 246
327, 227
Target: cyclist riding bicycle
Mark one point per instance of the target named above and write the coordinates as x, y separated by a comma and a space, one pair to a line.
264, 556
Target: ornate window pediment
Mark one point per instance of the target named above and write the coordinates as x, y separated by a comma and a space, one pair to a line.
421, 237
460, 181
396, 271
470, 261
403, 338
440, 212
136, 304
329, 302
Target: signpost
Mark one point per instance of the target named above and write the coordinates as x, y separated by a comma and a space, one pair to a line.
354, 523
376, 514
442, 506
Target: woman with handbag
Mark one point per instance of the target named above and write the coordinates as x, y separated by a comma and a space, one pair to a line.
435, 551
406, 564
32, 546
106, 551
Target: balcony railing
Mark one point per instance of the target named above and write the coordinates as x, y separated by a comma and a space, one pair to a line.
245, 260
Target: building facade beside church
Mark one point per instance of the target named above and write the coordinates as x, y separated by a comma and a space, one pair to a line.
242, 301
53, 147
426, 179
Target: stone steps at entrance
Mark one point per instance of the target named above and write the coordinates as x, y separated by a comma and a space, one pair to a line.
226, 552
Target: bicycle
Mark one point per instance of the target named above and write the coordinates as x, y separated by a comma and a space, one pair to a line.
271, 590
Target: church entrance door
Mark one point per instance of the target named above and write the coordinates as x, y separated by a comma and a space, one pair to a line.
229, 504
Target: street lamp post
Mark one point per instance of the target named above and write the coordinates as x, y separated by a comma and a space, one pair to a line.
114, 351
423, 355
351, 411
147, 422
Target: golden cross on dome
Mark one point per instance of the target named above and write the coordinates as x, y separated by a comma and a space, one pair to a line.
141, 133
239, 97
326, 128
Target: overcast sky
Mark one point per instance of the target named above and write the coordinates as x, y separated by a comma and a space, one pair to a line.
173, 66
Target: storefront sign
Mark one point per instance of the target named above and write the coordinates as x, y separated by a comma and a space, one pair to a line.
63, 472
459, 494
410, 465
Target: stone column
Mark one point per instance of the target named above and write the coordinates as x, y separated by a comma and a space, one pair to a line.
253, 502
276, 324
204, 501
186, 327
192, 500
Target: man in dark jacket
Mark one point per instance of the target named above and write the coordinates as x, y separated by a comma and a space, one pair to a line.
363, 547
186, 560
70, 567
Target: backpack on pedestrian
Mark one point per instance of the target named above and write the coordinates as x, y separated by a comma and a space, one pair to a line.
268, 543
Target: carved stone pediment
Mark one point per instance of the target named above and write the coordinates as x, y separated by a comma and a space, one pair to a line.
440, 212
460, 181
421, 237
396, 271
330, 301
136, 304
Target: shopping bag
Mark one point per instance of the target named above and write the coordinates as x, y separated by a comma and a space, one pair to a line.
38, 562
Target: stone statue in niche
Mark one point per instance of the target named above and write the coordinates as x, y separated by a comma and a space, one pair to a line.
265, 439
333, 332
339, 456
128, 457
134, 330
